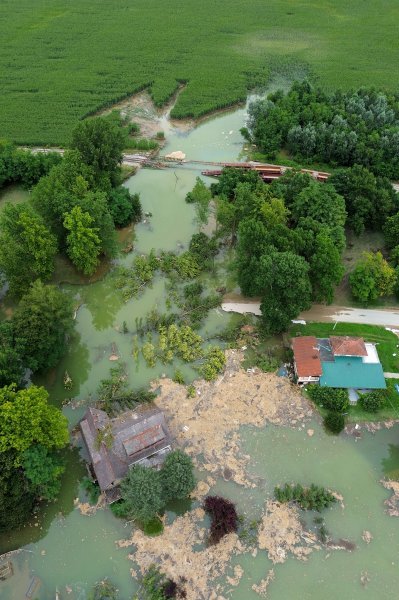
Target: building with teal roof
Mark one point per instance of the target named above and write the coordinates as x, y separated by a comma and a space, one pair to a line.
352, 372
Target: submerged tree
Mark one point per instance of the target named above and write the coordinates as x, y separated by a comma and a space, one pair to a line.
16, 498
42, 322
27, 248
142, 493
124, 207
100, 142
83, 242
27, 418
43, 468
177, 476
11, 368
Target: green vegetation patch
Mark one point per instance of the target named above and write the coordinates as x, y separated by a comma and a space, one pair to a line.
89, 54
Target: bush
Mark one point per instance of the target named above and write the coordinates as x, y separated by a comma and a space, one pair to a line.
334, 422
308, 498
155, 586
120, 509
224, 518
153, 527
332, 399
104, 590
372, 401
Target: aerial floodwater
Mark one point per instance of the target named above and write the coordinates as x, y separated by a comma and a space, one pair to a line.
68, 547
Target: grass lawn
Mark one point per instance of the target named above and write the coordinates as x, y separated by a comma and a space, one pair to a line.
387, 342
63, 59
389, 411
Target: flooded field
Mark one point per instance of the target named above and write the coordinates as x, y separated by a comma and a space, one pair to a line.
69, 551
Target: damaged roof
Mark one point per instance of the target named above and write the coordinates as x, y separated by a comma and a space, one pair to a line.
114, 445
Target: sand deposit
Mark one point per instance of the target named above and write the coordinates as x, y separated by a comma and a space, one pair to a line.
207, 426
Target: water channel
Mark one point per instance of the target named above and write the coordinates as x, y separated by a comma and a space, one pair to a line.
69, 552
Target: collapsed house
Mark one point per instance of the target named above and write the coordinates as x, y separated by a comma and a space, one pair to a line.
116, 444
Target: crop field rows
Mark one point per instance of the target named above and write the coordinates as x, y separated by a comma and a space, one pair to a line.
61, 60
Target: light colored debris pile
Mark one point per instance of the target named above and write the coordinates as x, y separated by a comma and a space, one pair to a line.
393, 502
261, 587
207, 426
281, 532
181, 555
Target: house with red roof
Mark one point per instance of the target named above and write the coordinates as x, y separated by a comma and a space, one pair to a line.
338, 362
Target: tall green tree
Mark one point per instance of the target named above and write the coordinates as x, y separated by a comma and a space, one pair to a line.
177, 476
43, 469
391, 231
321, 203
96, 205
42, 322
100, 142
83, 242
283, 282
326, 268
253, 242
372, 278
11, 368
27, 248
60, 190
26, 418
125, 208
369, 200
16, 498
142, 493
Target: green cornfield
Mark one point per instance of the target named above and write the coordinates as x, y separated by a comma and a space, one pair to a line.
61, 60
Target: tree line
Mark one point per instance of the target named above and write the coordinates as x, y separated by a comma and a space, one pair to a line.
344, 128
74, 208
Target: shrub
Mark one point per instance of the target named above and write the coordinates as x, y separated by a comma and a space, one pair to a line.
372, 401
178, 377
224, 518
215, 361
334, 422
308, 498
104, 590
330, 398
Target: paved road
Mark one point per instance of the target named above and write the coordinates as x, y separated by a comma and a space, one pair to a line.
324, 314
388, 317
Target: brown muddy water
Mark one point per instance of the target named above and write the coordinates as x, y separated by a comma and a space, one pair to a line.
69, 551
